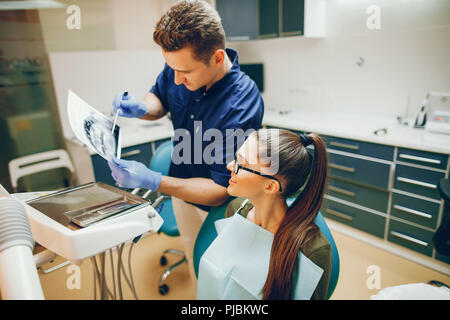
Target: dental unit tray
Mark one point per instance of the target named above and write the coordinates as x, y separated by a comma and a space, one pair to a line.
80, 222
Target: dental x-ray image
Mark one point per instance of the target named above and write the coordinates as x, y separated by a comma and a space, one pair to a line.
93, 128
98, 132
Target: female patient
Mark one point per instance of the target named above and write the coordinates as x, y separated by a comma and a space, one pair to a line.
276, 252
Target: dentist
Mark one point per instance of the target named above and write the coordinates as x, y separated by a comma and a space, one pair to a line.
203, 88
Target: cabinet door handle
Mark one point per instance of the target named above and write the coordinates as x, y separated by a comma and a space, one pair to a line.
340, 190
339, 214
344, 145
131, 153
408, 238
422, 159
340, 167
417, 183
412, 211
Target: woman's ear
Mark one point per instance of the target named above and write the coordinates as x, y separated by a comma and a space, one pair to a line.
272, 186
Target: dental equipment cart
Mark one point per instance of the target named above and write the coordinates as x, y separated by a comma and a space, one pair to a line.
83, 221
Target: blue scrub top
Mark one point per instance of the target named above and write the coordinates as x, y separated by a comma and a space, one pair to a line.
233, 102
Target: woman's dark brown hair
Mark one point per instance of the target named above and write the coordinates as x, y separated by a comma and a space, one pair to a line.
296, 167
191, 23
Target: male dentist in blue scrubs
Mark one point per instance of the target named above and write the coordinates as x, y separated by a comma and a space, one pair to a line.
203, 88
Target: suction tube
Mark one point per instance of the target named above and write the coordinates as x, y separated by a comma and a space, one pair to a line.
19, 279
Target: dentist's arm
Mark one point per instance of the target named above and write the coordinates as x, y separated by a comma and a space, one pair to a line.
133, 174
155, 109
202, 191
150, 108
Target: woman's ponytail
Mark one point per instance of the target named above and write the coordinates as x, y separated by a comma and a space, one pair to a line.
298, 225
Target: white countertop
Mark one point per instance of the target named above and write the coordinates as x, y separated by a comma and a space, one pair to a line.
137, 131
359, 128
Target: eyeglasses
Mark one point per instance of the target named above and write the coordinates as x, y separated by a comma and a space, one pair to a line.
237, 166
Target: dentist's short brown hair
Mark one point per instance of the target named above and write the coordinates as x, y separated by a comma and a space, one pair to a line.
191, 23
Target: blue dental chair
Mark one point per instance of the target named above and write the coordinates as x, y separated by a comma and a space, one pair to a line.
208, 233
161, 163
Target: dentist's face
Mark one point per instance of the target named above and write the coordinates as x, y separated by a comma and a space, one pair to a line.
191, 73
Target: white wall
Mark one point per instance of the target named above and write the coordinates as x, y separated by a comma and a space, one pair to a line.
96, 29
404, 60
105, 25
97, 76
408, 57
113, 51
134, 23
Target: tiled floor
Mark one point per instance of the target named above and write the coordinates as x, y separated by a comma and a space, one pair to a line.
355, 256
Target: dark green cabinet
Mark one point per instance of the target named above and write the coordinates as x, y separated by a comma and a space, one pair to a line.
411, 237
354, 217
423, 158
239, 19
418, 181
261, 19
365, 196
373, 150
293, 12
269, 20
368, 172
415, 210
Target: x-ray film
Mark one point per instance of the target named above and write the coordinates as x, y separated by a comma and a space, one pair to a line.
93, 128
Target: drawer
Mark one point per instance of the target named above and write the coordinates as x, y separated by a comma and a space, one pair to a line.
359, 170
418, 181
357, 218
429, 159
365, 196
411, 237
419, 211
362, 148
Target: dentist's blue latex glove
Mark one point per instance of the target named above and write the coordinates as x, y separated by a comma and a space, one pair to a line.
133, 174
129, 106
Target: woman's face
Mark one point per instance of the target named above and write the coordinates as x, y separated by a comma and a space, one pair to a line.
246, 184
